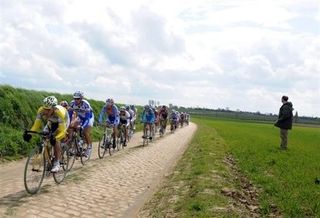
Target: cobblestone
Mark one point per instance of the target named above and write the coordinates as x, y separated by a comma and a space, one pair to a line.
111, 187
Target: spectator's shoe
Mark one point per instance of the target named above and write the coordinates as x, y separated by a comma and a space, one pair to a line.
125, 143
56, 167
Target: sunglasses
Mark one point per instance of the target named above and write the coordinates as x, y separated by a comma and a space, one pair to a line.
76, 99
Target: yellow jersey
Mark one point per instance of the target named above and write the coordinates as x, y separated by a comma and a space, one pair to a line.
60, 116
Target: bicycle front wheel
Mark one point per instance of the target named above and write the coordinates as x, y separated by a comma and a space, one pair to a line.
71, 152
102, 147
34, 171
64, 162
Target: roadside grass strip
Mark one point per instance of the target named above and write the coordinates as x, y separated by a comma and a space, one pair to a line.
194, 188
235, 168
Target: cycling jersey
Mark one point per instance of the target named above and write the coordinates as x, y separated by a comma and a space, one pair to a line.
174, 116
124, 117
59, 119
84, 112
163, 114
112, 114
148, 116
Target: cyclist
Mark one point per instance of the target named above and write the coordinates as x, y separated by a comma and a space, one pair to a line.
135, 111
125, 120
163, 116
64, 104
182, 118
174, 119
57, 120
147, 118
187, 118
156, 121
132, 116
113, 119
85, 116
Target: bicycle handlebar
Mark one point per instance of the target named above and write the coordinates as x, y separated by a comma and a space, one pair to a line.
39, 133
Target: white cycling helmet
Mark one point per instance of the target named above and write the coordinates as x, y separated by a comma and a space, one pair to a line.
49, 102
78, 94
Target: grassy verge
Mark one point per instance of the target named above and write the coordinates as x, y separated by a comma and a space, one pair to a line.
285, 179
194, 188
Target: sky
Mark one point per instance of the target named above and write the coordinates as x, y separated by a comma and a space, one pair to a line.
237, 54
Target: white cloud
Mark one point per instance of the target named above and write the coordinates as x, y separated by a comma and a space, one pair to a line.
237, 54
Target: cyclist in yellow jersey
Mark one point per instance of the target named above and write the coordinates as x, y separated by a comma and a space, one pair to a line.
57, 119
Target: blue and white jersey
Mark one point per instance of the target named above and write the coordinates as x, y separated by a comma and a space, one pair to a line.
84, 112
174, 116
112, 114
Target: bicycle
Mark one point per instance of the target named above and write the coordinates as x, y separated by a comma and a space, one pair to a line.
147, 134
105, 142
121, 137
163, 125
76, 149
173, 125
40, 161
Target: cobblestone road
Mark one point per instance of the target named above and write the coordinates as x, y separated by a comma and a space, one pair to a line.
115, 186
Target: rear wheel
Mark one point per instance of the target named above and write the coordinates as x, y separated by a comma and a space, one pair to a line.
34, 171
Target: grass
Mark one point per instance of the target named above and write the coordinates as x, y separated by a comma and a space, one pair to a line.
194, 188
285, 178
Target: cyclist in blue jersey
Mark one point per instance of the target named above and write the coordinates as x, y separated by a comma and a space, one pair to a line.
113, 119
85, 115
148, 119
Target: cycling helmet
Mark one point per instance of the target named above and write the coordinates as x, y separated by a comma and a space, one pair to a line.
122, 108
127, 107
64, 104
109, 101
49, 102
78, 94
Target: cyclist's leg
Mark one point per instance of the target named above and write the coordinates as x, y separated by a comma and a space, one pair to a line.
126, 130
115, 134
144, 129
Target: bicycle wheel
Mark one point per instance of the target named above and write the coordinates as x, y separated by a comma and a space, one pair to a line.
120, 140
85, 157
61, 174
34, 171
102, 147
71, 152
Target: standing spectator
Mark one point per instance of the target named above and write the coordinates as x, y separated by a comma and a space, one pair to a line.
284, 121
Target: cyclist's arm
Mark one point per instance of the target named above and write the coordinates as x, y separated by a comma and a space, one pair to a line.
86, 119
62, 126
102, 114
37, 123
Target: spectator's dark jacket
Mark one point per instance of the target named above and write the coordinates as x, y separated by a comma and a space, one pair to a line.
285, 116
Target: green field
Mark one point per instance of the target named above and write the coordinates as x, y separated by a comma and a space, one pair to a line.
285, 179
